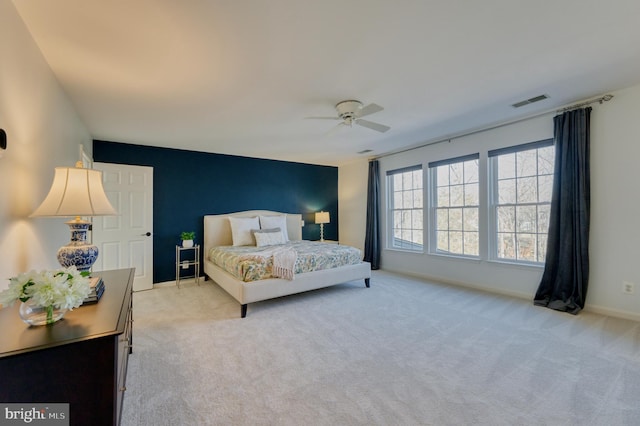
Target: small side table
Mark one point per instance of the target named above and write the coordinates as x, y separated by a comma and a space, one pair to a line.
186, 262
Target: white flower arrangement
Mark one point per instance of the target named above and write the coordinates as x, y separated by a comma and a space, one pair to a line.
64, 288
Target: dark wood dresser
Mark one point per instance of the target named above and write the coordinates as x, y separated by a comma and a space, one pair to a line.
80, 360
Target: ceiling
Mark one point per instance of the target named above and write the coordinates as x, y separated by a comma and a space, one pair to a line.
239, 77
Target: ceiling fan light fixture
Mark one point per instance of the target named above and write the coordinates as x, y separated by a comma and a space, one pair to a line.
347, 109
350, 111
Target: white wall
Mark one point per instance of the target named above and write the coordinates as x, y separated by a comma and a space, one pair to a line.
43, 131
352, 203
615, 203
499, 277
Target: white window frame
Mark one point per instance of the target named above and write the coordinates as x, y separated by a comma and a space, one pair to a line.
433, 206
414, 212
494, 203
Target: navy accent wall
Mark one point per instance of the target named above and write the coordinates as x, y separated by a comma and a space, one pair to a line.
188, 185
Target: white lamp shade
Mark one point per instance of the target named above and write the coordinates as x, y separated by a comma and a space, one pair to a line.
75, 192
322, 217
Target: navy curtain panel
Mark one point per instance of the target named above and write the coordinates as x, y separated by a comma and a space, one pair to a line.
372, 236
563, 286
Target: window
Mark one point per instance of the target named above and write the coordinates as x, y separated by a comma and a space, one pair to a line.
521, 187
455, 206
405, 208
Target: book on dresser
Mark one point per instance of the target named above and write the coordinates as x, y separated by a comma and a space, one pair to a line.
97, 288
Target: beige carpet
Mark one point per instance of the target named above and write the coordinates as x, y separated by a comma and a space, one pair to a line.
403, 352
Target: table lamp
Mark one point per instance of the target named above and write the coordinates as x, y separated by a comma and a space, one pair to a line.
322, 218
76, 192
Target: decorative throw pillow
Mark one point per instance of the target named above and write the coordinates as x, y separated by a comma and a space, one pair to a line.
241, 228
268, 237
279, 221
265, 230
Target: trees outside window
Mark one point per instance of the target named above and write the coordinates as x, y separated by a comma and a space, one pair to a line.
518, 204
521, 187
405, 208
455, 204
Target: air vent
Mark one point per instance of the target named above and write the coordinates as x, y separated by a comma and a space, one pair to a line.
530, 101
365, 151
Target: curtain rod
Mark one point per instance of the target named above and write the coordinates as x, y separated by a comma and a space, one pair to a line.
600, 100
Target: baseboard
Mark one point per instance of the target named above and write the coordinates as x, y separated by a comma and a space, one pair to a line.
612, 312
588, 308
441, 280
173, 283
164, 284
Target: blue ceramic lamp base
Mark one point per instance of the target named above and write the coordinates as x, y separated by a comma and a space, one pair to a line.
78, 252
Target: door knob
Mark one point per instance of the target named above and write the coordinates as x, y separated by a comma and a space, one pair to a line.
148, 234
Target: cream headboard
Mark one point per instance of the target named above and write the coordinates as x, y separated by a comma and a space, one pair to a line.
217, 230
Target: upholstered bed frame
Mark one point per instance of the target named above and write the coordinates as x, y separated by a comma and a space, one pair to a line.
217, 232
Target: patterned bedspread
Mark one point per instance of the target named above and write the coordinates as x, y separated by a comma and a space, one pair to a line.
248, 263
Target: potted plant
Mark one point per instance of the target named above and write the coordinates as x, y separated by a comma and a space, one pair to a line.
187, 238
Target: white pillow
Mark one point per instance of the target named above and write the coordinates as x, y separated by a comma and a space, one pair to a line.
279, 221
268, 237
267, 230
241, 228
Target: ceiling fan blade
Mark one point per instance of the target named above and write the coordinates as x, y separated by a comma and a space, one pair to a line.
369, 109
371, 125
336, 129
322, 118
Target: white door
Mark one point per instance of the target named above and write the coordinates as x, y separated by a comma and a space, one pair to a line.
125, 240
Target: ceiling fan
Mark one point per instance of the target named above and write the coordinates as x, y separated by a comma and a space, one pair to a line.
350, 112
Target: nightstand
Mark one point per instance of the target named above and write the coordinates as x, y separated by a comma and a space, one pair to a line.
187, 259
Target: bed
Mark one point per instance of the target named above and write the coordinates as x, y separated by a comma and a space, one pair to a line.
218, 232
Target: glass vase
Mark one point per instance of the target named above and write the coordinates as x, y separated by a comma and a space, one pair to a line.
33, 314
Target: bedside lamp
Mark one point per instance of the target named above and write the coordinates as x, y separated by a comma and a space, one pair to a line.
322, 218
76, 192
